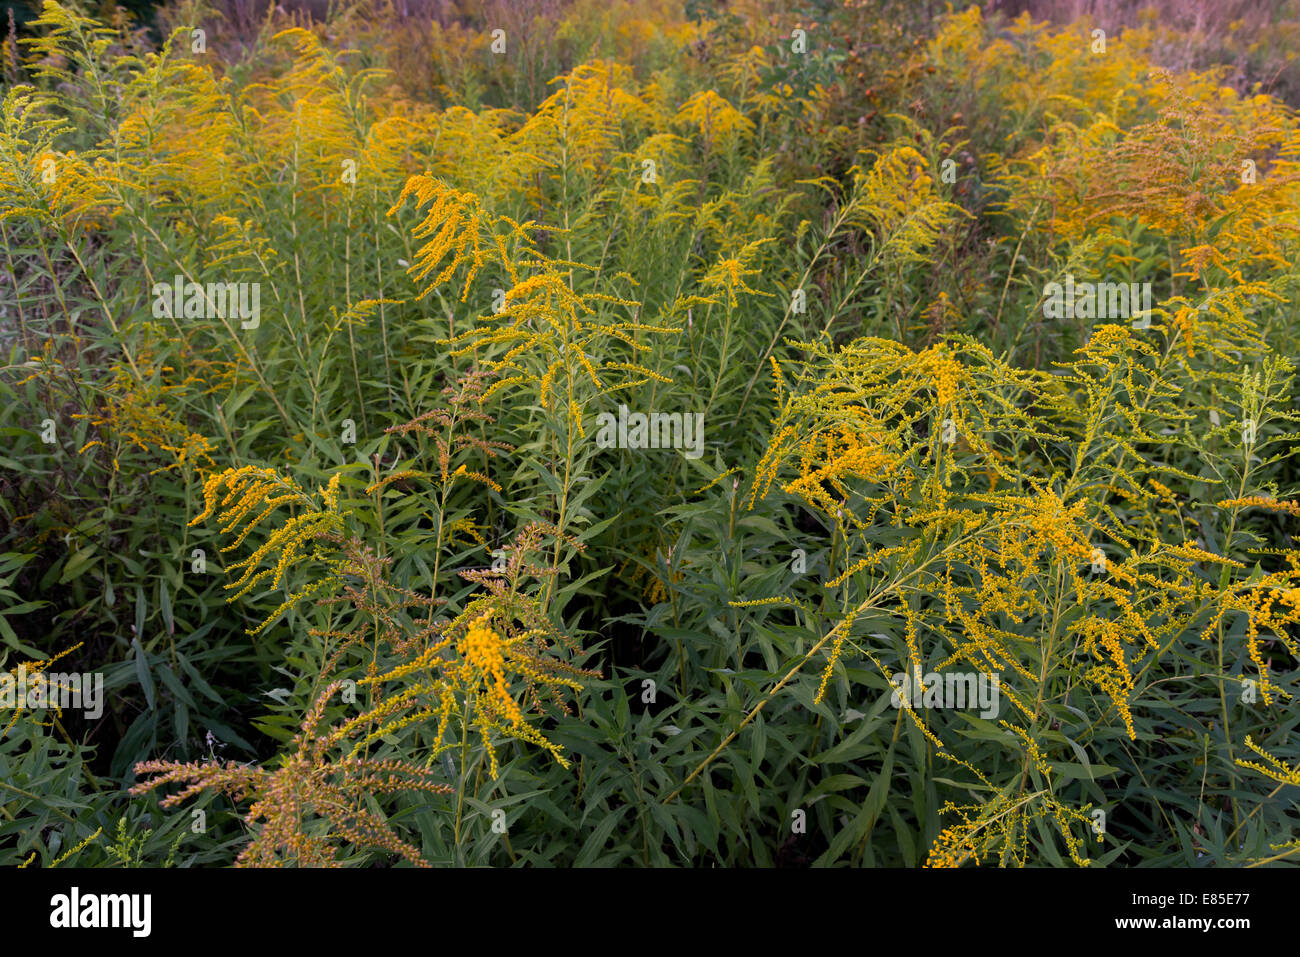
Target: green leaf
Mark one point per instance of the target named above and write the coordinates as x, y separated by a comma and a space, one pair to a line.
78, 564
142, 673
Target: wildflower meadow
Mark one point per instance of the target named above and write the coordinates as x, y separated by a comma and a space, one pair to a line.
632, 433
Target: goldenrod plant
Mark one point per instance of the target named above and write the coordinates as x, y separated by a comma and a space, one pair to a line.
648, 434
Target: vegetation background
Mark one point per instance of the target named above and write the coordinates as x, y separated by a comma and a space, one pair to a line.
365, 591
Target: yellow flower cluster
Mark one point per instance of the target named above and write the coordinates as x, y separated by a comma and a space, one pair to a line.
453, 223
1017, 563
250, 495
483, 652
715, 118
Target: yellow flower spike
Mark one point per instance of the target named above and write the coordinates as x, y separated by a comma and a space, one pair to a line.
250, 488
1274, 769
483, 648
